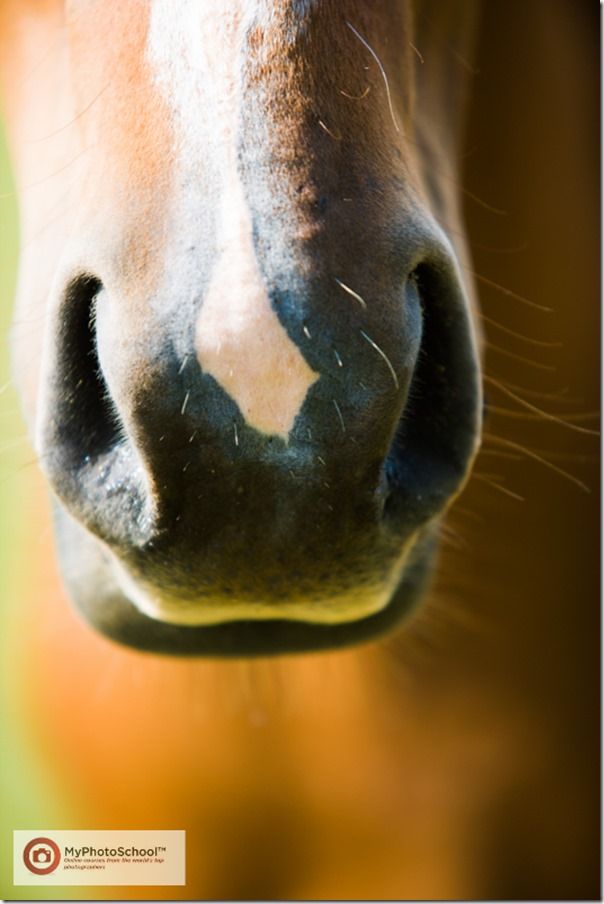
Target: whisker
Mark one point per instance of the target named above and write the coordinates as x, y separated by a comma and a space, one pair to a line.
451, 534
558, 396
544, 461
569, 421
384, 356
49, 176
504, 329
416, 51
350, 291
42, 60
71, 121
30, 463
577, 457
497, 486
508, 292
536, 364
453, 616
473, 516
451, 541
381, 68
48, 223
481, 203
534, 410
339, 413
359, 97
467, 66
329, 132
489, 475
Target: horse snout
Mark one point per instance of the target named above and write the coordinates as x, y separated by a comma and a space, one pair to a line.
278, 459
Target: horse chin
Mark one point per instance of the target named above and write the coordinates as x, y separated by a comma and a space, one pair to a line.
116, 608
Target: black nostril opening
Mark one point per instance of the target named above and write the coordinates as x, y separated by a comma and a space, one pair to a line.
436, 435
87, 419
85, 452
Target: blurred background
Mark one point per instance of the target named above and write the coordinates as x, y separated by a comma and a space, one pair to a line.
459, 759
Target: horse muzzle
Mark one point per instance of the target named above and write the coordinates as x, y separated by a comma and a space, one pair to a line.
285, 500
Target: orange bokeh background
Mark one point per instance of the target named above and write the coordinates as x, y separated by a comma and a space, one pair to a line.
459, 759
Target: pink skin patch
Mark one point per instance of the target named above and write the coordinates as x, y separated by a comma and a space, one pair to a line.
240, 340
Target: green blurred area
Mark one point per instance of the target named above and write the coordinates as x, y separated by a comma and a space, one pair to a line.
26, 790
11, 426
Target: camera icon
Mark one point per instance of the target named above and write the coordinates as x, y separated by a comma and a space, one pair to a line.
41, 855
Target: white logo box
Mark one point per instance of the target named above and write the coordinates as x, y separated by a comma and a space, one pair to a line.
119, 857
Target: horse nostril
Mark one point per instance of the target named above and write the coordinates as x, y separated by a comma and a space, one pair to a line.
83, 445
438, 432
88, 420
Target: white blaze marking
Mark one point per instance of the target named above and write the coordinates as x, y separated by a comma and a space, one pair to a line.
194, 47
240, 340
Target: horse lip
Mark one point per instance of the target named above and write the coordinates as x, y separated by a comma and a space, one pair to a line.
204, 609
101, 603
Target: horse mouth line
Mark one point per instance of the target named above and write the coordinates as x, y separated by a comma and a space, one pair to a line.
331, 607
102, 603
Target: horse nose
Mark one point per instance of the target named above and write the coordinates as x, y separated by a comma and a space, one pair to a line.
266, 383
338, 406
